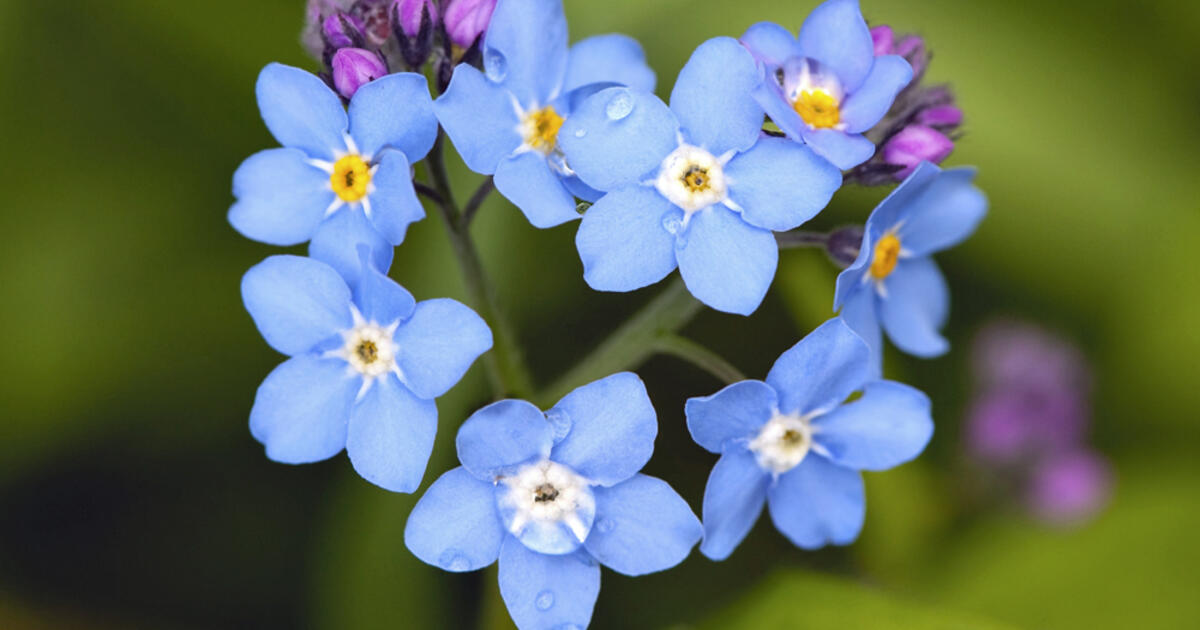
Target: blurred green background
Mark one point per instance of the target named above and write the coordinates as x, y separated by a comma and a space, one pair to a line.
132, 495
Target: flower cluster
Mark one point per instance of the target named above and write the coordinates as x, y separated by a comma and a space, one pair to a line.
757, 136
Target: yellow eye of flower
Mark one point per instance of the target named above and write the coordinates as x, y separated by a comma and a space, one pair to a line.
887, 252
818, 109
696, 179
350, 178
540, 129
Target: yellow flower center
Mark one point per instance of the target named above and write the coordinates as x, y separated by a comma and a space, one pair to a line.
696, 179
887, 252
367, 352
818, 109
350, 178
541, 129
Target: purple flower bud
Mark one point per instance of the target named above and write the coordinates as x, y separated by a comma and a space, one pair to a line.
412, 12
914, 144
912, 48
342, 30
940, 117
883, 38
466, 20
354, 68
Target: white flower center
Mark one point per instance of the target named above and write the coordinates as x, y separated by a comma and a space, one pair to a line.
783, 442
548, 493
692, 178
369, 349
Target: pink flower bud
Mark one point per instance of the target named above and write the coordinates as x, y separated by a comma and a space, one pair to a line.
342, 30
466, 20
941, 116
914, 144
883, 38
412, 13
354, 68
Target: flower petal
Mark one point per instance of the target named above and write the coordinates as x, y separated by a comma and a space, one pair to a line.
622, 240
437, 345
501, 436
301, 111
454, 525
300, 410
861, 314
379, 298
836, 35
818, 503
642, 526
525, 48
733, 500
611, 58
845, 150
617, 137
527, 181
543, 591
915, 307
394, 111
612, 426
888, 426
480, 118
821, 370
872, 100
732, 415
727, 263
713, 97
780, 184
769, 96
394, 203
391, 435
296, 302
770, 43
338, 238
280, 197
947, 211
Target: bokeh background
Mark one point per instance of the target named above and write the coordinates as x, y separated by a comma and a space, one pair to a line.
132, 495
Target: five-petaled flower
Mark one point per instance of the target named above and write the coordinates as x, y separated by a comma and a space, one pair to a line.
364, 366
553, 495
795, 443
506, 120
825, 87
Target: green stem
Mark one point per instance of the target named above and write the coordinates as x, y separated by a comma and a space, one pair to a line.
801, 238
699, 356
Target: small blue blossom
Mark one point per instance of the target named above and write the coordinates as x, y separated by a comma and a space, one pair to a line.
695, 185
553, 495
826, 87
894, 282
364, 367
795, 443
506, 119
342, 178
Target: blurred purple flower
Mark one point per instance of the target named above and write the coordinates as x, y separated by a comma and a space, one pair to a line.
1070, 488
466, 20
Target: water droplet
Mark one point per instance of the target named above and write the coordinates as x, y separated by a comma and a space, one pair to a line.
619, 105
495, 65
544, 601
672, 224
605, 525
561, 423
581, 132
454, 560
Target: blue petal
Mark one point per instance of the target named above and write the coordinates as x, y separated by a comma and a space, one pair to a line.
733, 499
617, 137
888, 426
836, 35
301, 111
338, 238
480, 118
947, 211
845, 150
771, 43
642, 526
301, 409
769, 96
892, 212
821, 370
454, 525
437, 345
608, 58
391, 435
379, 298
527, 181
612, 429
576, 187
394, 111
501, 436
852, 279
818, 503
544, 592
861, 315
394, 203
727, 263
622, 240
780, 184
713, 97
280, 197
731, 415
525, 48
296, 302
872, 100
915, 307
555, 536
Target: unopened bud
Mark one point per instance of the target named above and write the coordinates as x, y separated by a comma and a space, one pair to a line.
467, 20
913, 145
342, 30
354, 68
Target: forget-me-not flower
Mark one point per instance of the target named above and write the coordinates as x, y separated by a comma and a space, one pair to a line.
894, 283
553, 495
825, 87
506, 120
364, 367
342, 178
795, 443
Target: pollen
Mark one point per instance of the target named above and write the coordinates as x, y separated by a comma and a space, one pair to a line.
887, 252
818, 108
350, 178
545, 493
367, 351
696, 179
540, 129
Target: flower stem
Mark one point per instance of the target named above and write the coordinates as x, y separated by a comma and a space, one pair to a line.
475, 202
800, 238
699, 356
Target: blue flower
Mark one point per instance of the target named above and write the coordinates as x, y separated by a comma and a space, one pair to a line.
695, 185
792, 442
341, 178
506, 120
826, 87
552, 496
364, 367
894, 282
